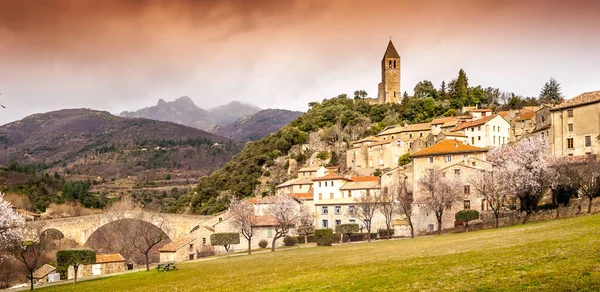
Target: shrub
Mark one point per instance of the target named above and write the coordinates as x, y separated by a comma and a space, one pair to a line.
323, 155
324, 237
289, 241
75, 258
225, 239
383, 232
263, 243
206, 251
347, 229
466, 216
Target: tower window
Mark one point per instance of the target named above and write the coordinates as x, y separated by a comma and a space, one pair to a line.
390, 63
394, 63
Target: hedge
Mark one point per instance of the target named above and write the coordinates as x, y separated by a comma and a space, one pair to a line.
75, 258
224, 239
324, 237
383, 232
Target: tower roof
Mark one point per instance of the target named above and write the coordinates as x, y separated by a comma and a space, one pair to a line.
391, 52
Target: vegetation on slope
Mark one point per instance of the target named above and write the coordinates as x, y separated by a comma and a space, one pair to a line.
559, 255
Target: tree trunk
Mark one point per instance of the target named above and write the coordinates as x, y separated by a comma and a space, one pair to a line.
557, 211
305, 238
590, 206
467, 226
369, 234
439, 221
75, 268
497, 215
147, 261
273, 243
31, 279
250, 245
388, 233
412, 230
525, 218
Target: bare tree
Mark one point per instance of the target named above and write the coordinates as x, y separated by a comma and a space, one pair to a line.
148, 236
440, 193
488, 185
585, 175
243, 217
285, 211
403, 202
305, 220
32, 249
387, 207
366, 206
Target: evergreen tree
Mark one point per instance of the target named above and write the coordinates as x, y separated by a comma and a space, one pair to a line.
551, 91
443, 91
425, 89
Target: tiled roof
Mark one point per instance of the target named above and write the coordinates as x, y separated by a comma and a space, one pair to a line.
331, 176
361, 185
256, 200
526, 115
503, 113
109, 258
474, 123
176, 244
481, 110
302, 196
380, 143
309, 168
448, 147
298, 181
454, 134
407, 128
365, 178
266, 220
442, 120
582, 99
43, 271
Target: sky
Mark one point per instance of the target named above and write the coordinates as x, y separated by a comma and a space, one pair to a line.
118, 55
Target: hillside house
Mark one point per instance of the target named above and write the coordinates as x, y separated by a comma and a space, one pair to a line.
487, 131
44, 274
575, 126
178, 250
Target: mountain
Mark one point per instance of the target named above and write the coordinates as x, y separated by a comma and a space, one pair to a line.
185, 112
97, 143
258, 125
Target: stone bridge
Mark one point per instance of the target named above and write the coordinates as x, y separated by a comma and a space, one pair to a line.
81, 228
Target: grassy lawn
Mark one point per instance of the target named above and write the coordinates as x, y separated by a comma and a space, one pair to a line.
558, 256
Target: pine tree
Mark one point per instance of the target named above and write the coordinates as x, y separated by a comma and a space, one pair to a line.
551, 91
443, 91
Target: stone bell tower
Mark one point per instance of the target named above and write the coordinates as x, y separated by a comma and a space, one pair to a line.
389, 88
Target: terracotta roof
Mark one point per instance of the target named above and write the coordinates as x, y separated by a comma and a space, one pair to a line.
361, 185
309, 168
391, 52
43, 271
302, 196
503, 113
526, 115
380, 143
109, 258
266, 220
454, 134
481, 110
330, 176
298, 181
474, 123
365, 178
367, 139
443, 120
176, 244
256, 200
582, 99
447, 147
407, 128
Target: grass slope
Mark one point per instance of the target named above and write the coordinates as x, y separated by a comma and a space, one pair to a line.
557, 255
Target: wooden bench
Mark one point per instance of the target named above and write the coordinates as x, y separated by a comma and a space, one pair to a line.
166, 266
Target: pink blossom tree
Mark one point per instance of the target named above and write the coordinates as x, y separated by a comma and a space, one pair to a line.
10, 232
285, 212
244, 218
525, 171
487, 184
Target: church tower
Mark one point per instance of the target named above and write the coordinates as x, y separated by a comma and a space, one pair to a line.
389, 88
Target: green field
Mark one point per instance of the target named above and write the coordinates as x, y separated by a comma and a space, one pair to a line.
554, 256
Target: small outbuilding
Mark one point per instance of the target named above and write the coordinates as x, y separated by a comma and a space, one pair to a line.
105, 264
181, 249
41, 275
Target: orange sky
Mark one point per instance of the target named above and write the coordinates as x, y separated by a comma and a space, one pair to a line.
125, 54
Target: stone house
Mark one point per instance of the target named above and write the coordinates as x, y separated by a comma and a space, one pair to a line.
432, 138
41, 275
575, 126
178, 250
487, 131
406, 132
311, 171
524, 123
299, 185
542, 123
105, 264
452, 157
480, 113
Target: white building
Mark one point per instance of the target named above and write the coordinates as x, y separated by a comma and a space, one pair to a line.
488, 131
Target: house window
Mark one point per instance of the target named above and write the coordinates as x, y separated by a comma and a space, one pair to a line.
478, 138
203, 240
570, 143
320, 196
380, 161
410, 135
392, 137
191, 247
494, 129
270, 232
420, 134
465, 156
457, 172
352, 221
467, 189
300, 187
338, 222
431, 226
325, 183
588, 141
448, 158
324, 210
483, 205
349, 193
430, 159
478, 128
338, 210
543, 119
467, 204
325, 223
494, 139
351, 210
570, 113
473, 129
570, 127
522, 124
319, 184
330, 195
472, 140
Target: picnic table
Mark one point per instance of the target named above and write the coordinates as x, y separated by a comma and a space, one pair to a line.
166, 266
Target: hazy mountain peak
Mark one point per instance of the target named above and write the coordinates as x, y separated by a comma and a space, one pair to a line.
161, 102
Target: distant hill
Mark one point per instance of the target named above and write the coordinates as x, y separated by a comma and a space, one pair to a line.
88, 142
258, 125
185, 112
